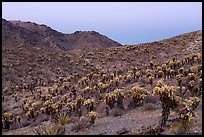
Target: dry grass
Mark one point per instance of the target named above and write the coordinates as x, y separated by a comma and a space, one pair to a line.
55, 130
64, 119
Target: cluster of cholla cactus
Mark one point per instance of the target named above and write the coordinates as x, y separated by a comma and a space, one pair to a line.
63, 92
167, 98
89, 104
138, 94
9, 118
50, 108
29, 108
30, 113
92, 116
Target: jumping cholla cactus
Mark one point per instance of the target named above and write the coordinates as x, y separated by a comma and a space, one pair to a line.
15, 95
79, 103
160, 73
89, 104
138, 94
70, 107
171, 64
150, 80
197, 57
164, 68
119, 98
42, 110
6, 122
30, 113
92, 115
5, 90
129, 77
110, 99
171, 73
191, 84
116, 80
178, 78
151, 64
192, 76
148, 73
194, 69
18, 119
181, 70
137, 74
66, 85
187, 111
167, 99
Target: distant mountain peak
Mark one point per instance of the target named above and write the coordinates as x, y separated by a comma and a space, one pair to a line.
44, 36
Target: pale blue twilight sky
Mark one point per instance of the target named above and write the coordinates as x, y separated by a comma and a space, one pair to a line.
125, 22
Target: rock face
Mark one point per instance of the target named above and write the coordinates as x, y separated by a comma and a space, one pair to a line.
16, 33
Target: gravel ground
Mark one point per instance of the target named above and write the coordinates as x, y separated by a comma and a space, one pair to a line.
131, 120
